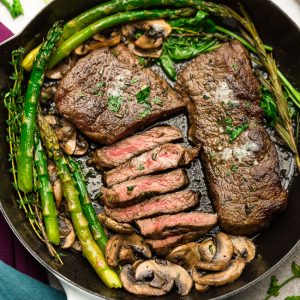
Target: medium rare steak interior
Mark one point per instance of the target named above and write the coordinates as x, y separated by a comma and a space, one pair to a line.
108, 95
241, 162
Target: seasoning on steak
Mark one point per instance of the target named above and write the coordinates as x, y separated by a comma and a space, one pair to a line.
114, 155
164, 246
128, 192
161, 158
242, 173
163, 204
105, 95
165, 225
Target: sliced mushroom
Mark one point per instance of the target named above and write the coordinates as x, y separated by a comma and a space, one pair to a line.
82, 146
65, 131
224, 252
76, 246
133, 241
207, 249
126, 255
186, 255
61, 69
201, 288
243, 247
52, 120
182, 279
156, 53
114, 225
58, 192
52, 171
48, 93
231, 273
69, 145
67, 233
132, 285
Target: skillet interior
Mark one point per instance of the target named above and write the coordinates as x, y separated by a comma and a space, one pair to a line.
272, 245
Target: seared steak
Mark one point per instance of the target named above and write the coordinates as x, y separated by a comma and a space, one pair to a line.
242, 173
161, 158
185, 222
125, 193
99, 95
164, 204
164, 246
114, 155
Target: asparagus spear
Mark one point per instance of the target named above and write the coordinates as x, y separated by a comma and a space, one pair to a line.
90, 248
25, 151
75, 40
46, 194
15, 8
87, 207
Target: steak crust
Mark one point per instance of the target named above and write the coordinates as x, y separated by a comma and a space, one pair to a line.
243, 178
83, 95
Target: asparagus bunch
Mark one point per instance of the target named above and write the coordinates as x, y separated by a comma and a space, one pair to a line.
87, 206
89, 247
25, 152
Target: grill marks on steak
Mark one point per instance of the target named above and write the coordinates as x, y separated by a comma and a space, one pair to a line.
163, 204
114, 155
168, 225
243, 175
125, 193
160, 158
82, 96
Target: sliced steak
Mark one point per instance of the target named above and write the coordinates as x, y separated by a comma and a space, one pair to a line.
242, 174
164, 204
128, 192
185, 222
114, 155
164, 246
99, 95
161, 158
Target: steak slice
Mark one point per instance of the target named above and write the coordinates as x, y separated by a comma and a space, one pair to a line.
164, 246
114, 155
161, 158
163, 204
99, 95
124, 194
242, 174
165, 225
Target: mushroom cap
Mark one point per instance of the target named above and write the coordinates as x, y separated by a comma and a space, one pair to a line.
132, 285
67, 232
115, 226
232, 272
57, 192
207, 249
155, 53
182, 279
118, 241
224, 252
243, 246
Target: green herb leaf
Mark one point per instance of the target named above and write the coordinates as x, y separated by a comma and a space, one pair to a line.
145, 113
237, 131
234, 168
274, 287
167, 65
295, 269
268, 105
141, 167
292, 298
143, 95
157, 101
115, 103
130, 188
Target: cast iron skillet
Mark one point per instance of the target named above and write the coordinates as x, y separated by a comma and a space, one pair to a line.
273, 244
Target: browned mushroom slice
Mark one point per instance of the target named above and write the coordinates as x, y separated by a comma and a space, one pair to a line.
76, 246
52, 120
144, 288
155, 53
48, 93
65, 130
133, 241
232, 272
61, 69
69, 145
58, 192
52, 171
207, 249
114, 225
182, 279
224, 252
82, 146
201, 288
186, 255
243, 247
67, 233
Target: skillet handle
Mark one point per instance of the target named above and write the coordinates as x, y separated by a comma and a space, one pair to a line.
75, 293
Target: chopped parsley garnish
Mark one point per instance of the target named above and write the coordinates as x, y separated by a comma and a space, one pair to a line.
100, 84
157, 101
115, 103
143, 95
205, 97
134, 80
145, 113
232, 131
141, 167
234, 168
234, 66
130, 188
